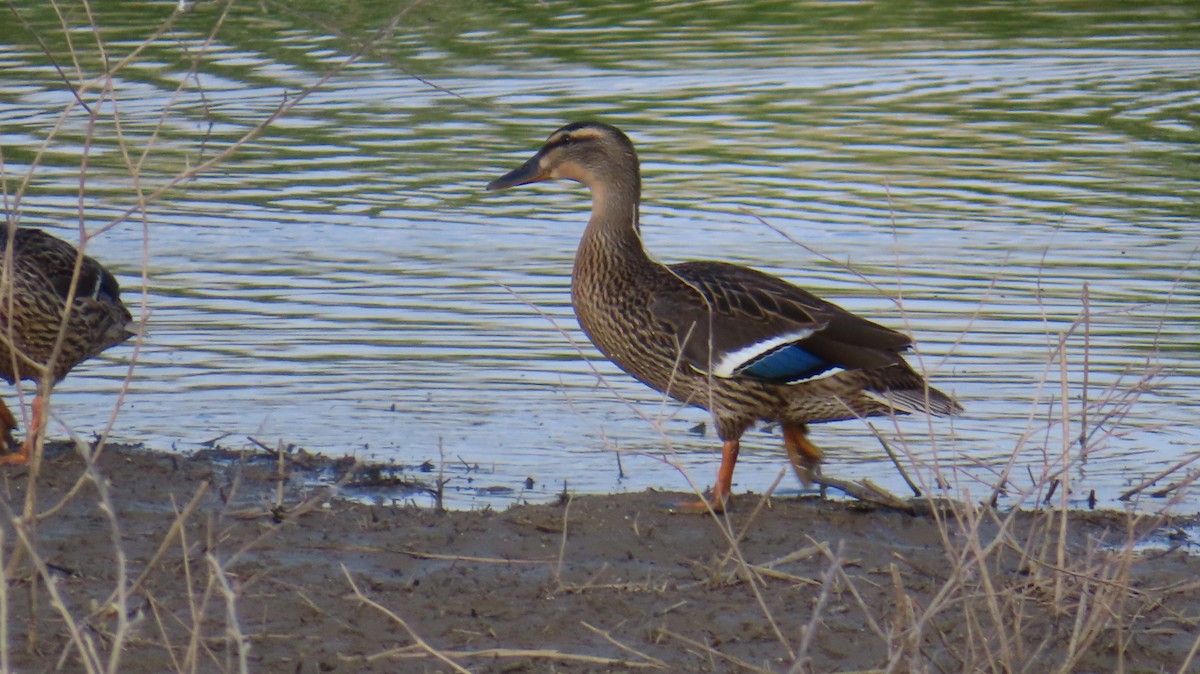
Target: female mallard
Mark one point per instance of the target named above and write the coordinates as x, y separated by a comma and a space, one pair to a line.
39, 343
740, 343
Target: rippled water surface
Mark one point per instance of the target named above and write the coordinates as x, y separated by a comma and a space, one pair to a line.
995, 180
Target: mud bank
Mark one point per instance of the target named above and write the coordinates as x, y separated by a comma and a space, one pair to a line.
250, 565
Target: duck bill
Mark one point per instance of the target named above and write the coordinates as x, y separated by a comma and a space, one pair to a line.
529, 172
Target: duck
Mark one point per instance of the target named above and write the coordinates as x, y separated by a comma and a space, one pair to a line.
744, 345
58, 308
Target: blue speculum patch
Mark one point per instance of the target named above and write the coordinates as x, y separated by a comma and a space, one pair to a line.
787, 363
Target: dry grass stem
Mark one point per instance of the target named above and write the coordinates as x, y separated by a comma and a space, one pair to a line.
175, 532
513, 653
802, 661
607, 636
1151, 481
236, 641
866, 491
425, 648
480, 560
714, 653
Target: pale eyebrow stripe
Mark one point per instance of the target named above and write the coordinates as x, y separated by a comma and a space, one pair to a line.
578, 133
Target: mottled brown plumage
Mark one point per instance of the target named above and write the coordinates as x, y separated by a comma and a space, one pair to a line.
36, 275
740, 343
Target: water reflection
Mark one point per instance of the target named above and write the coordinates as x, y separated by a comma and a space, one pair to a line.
343, 282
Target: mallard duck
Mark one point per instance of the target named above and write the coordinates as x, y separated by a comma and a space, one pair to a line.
36, 279
740, 343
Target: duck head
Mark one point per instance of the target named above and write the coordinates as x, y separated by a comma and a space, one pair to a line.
595, 154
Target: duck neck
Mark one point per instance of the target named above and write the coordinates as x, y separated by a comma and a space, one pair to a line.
612, 236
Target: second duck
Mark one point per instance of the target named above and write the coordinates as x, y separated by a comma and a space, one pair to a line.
743, 344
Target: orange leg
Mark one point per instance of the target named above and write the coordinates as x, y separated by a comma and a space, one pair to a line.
8, 424
804, 456
21, 457
722, 490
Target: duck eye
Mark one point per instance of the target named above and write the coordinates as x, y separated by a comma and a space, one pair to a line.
566, 139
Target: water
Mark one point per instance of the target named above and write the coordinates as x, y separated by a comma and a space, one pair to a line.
344, 283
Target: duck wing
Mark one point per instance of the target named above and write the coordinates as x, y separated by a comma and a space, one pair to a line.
733, 321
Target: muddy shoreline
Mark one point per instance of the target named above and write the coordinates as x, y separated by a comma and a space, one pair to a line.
251, 564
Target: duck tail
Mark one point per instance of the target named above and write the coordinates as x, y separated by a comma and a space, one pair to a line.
925, 400
902, 389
